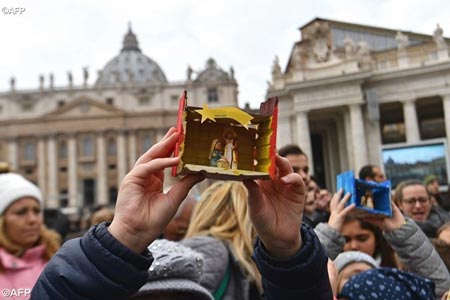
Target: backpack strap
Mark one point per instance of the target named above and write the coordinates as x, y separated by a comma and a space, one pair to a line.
220, 292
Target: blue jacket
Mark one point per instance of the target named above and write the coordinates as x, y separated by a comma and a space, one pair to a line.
303, 276
97, 266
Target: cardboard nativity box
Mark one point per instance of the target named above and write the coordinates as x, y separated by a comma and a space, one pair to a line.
370, 198
226, 142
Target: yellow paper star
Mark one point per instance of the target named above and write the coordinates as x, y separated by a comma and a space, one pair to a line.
206, 113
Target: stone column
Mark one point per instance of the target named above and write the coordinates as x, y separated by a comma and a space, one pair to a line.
121, 157
446, 104
72, 170
13, 150
341, 144
102, 170
41, 166
132, 148
358, 137
52, 167
284, 127
411, 123
303, 137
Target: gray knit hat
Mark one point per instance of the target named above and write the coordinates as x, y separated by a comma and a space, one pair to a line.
14, 187
349, 257
176, 269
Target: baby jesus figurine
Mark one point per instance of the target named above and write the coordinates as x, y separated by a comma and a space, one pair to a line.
367, 200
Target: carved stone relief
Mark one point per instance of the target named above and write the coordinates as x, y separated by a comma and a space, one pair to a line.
317, 35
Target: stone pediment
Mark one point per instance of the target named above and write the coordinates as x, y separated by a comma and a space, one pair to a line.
84, 107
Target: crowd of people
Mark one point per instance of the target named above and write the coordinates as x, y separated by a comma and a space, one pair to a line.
284, 238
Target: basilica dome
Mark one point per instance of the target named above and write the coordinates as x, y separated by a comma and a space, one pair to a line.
131, 66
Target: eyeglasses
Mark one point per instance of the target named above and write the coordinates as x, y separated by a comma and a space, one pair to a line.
413, 201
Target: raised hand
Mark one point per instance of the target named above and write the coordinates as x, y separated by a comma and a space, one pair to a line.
389, 224
338, 211
276, 209
142, 209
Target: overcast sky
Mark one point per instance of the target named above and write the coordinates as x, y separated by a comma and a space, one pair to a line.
58, 36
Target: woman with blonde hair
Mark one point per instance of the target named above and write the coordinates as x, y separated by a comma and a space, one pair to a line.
221, 229
26, 245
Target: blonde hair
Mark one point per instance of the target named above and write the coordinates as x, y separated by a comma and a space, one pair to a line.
222, 213
50, 238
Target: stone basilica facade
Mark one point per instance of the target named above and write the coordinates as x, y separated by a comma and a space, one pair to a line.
78, 141
349, 90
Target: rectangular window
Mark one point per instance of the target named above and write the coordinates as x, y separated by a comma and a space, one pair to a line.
392, 125
431, 118
64, 198
144, 100
87, 146
212, 95
147, 142
27, 106
29, 151
112, 147
174, 100
110, 101
62, 151
112, 195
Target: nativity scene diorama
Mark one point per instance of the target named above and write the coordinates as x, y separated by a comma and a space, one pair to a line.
227, 142
224, 155
370, 198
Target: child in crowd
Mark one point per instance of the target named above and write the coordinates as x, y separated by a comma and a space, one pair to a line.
410, 244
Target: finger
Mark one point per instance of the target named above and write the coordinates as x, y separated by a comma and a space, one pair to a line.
335, 199
161, 149
255, 196
283, 165
395, 209
347, 210
180, 189
295, 181
145, 170
169, 133
344, 201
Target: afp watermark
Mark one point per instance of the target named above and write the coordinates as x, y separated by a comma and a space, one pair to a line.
11, 293
13, 11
